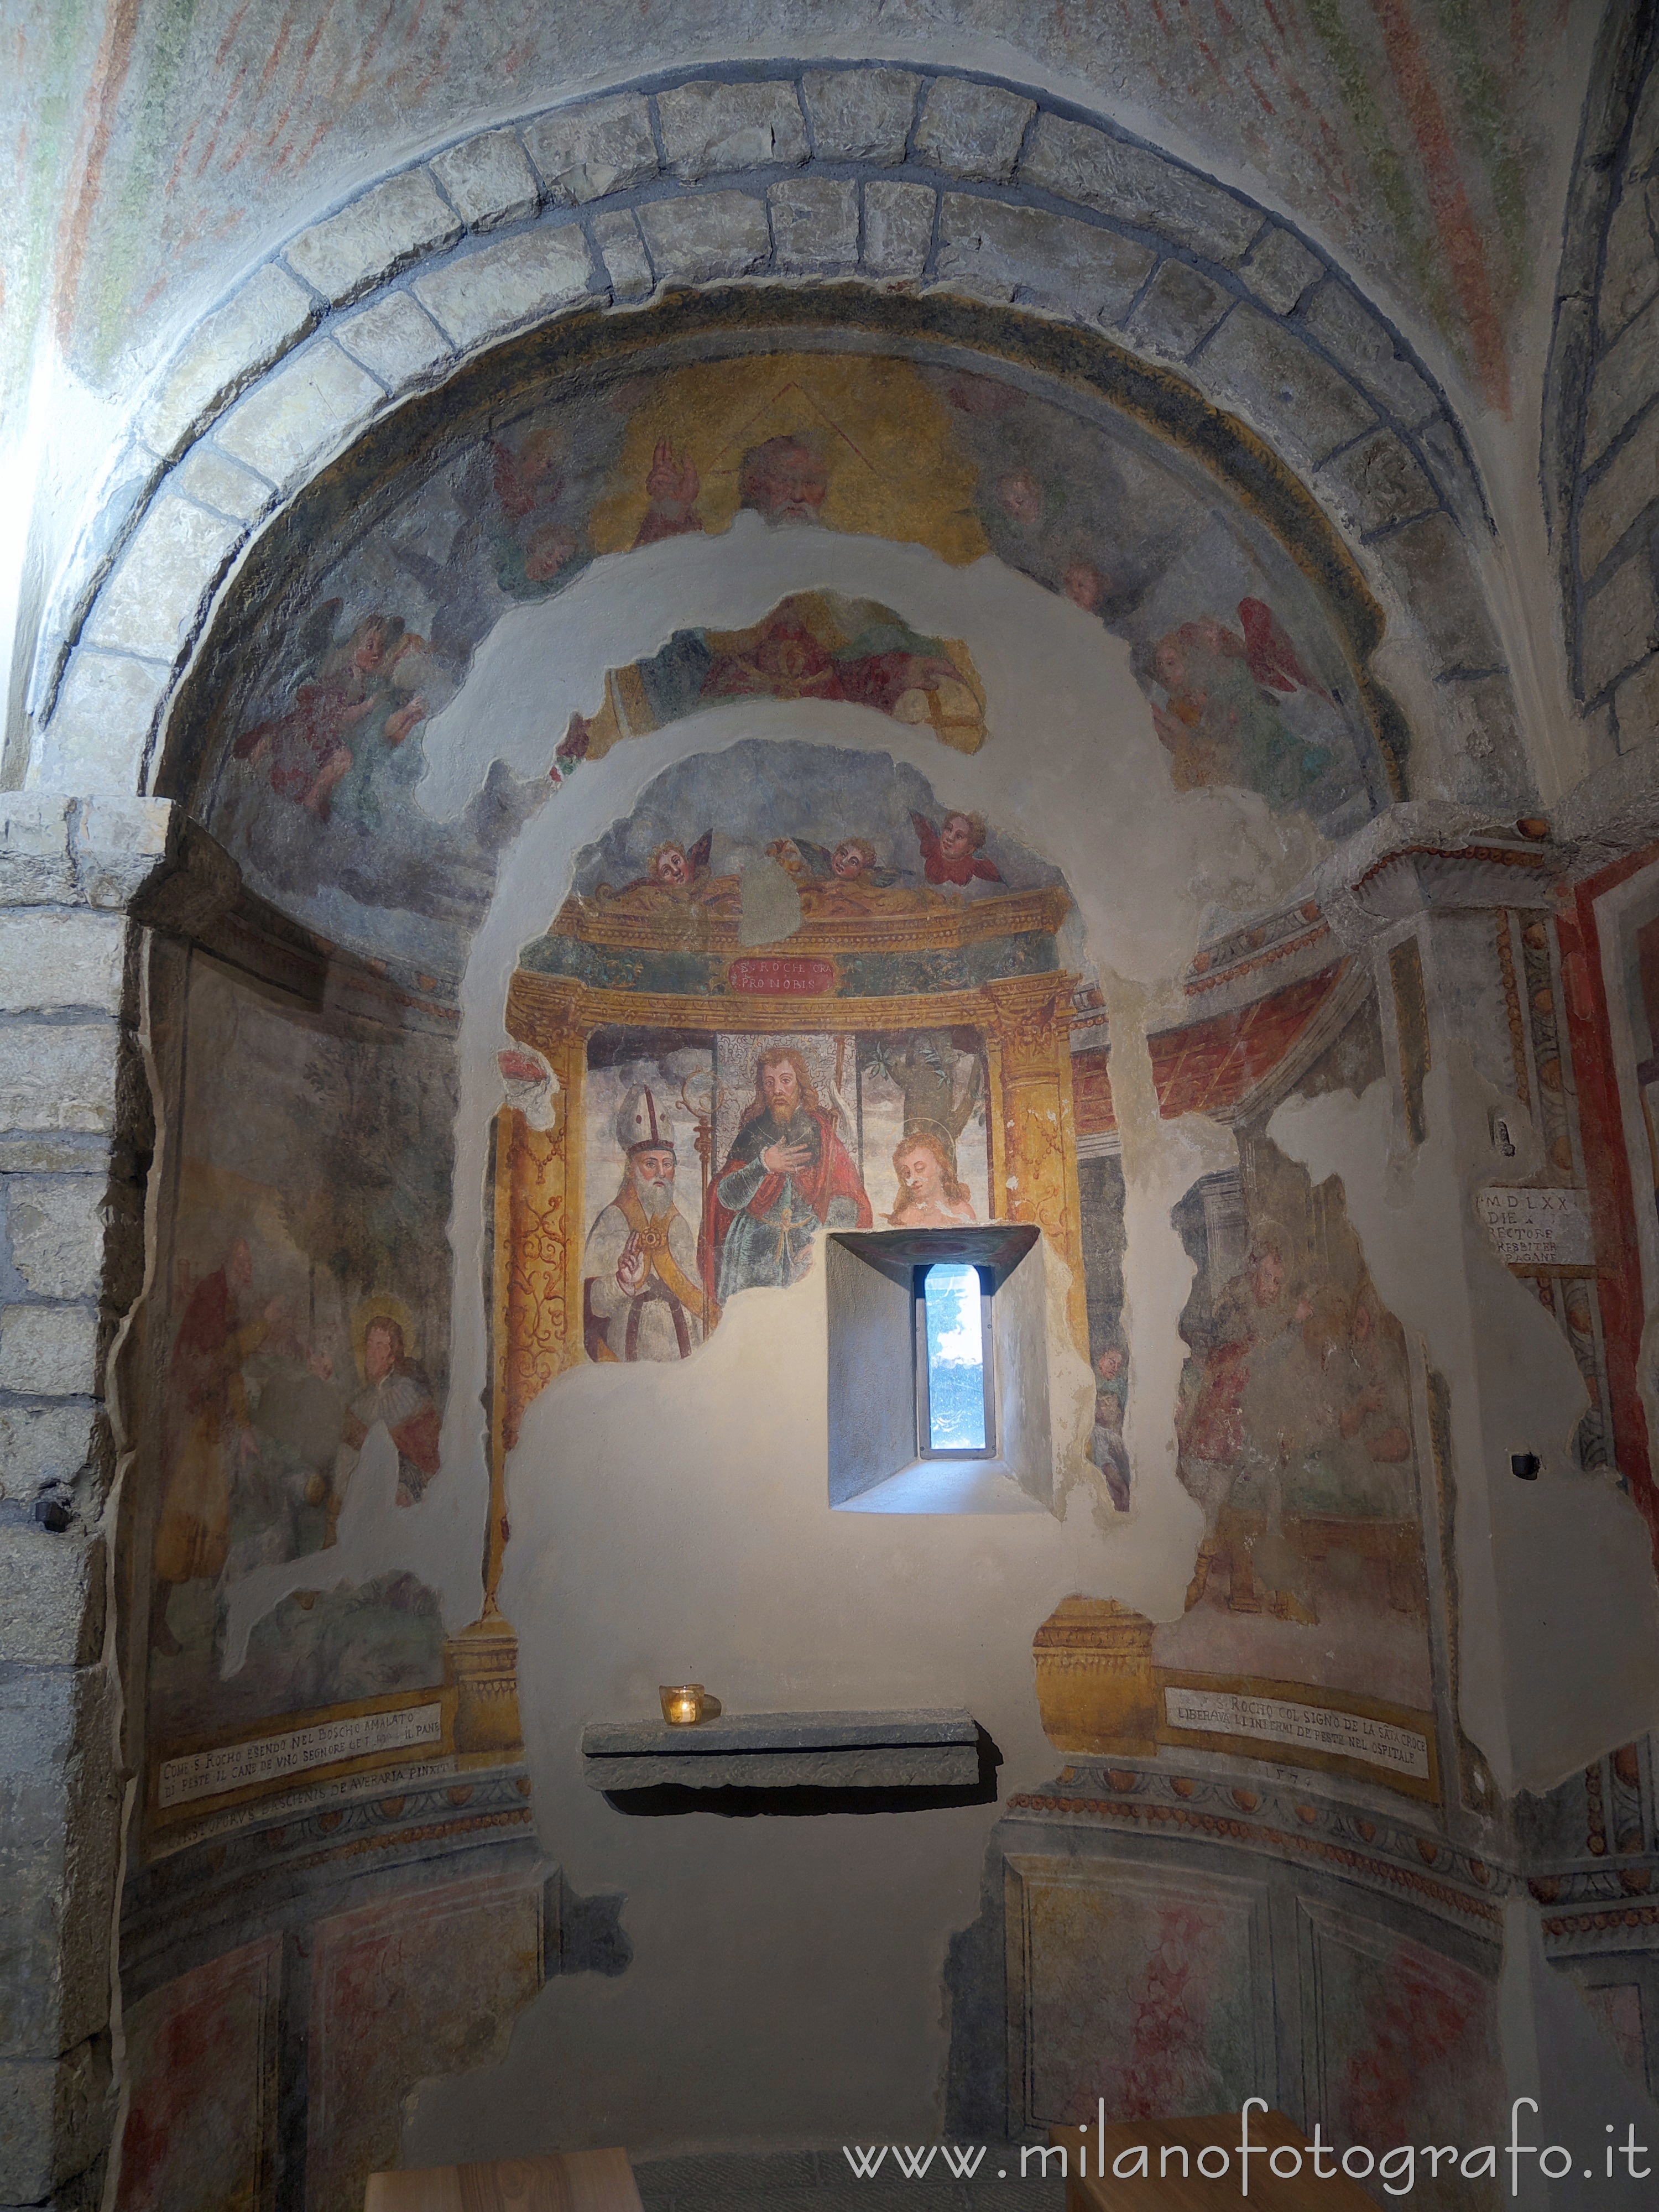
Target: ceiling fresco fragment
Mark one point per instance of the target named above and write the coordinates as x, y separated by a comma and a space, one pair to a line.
318, 789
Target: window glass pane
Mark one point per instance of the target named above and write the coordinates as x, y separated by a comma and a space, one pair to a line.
956, 1359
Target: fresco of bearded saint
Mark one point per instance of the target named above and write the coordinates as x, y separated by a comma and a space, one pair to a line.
787, 1175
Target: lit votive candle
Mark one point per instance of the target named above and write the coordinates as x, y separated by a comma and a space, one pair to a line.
682, 1704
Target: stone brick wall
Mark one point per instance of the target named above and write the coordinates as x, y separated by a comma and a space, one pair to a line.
896, 179
1602, 417
73, 1150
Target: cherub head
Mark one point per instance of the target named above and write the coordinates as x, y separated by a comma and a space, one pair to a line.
376, 643
853, 858
1085, 585
670, 866
961, 833
1169, 663
547, 552
1019, 497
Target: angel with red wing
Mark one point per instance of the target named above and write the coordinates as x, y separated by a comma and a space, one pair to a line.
675, 867
951, 853
1270, 656
528, 479
533, 546
348, 693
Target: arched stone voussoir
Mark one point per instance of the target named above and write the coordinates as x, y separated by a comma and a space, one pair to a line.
894, 184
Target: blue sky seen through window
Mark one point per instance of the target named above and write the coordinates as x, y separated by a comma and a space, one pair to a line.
956, 1359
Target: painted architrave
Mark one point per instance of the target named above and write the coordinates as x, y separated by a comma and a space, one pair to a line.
160, 1817
1100, 1693
1588, 936
1227, 1065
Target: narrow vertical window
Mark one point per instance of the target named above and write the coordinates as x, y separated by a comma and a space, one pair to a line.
954, 1338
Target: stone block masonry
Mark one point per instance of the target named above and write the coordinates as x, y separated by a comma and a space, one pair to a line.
488, 180
716, 130
932, 181
860, 115
589, 152
379, 234
513, 281
1604, 380
815, 223
973, 130
73, 1131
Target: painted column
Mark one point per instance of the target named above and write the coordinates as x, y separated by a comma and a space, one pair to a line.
1033, 1062
539, 1212
536, 1317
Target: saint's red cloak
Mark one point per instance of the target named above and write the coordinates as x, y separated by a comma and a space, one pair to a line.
833, 1176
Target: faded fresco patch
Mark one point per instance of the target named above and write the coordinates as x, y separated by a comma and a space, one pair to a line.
306, 1313
201, 2057
1407, 2051
1297, 1438
403, 1989
1140, 1993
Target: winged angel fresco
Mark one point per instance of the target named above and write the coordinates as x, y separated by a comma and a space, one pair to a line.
1219, 704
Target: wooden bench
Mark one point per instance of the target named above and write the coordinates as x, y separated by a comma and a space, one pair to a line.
567, 2181
1191, 2191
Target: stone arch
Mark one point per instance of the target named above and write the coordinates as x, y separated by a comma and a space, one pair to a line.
953, 204
1601, 429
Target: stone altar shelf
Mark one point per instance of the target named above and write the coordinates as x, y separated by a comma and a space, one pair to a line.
925, 1749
